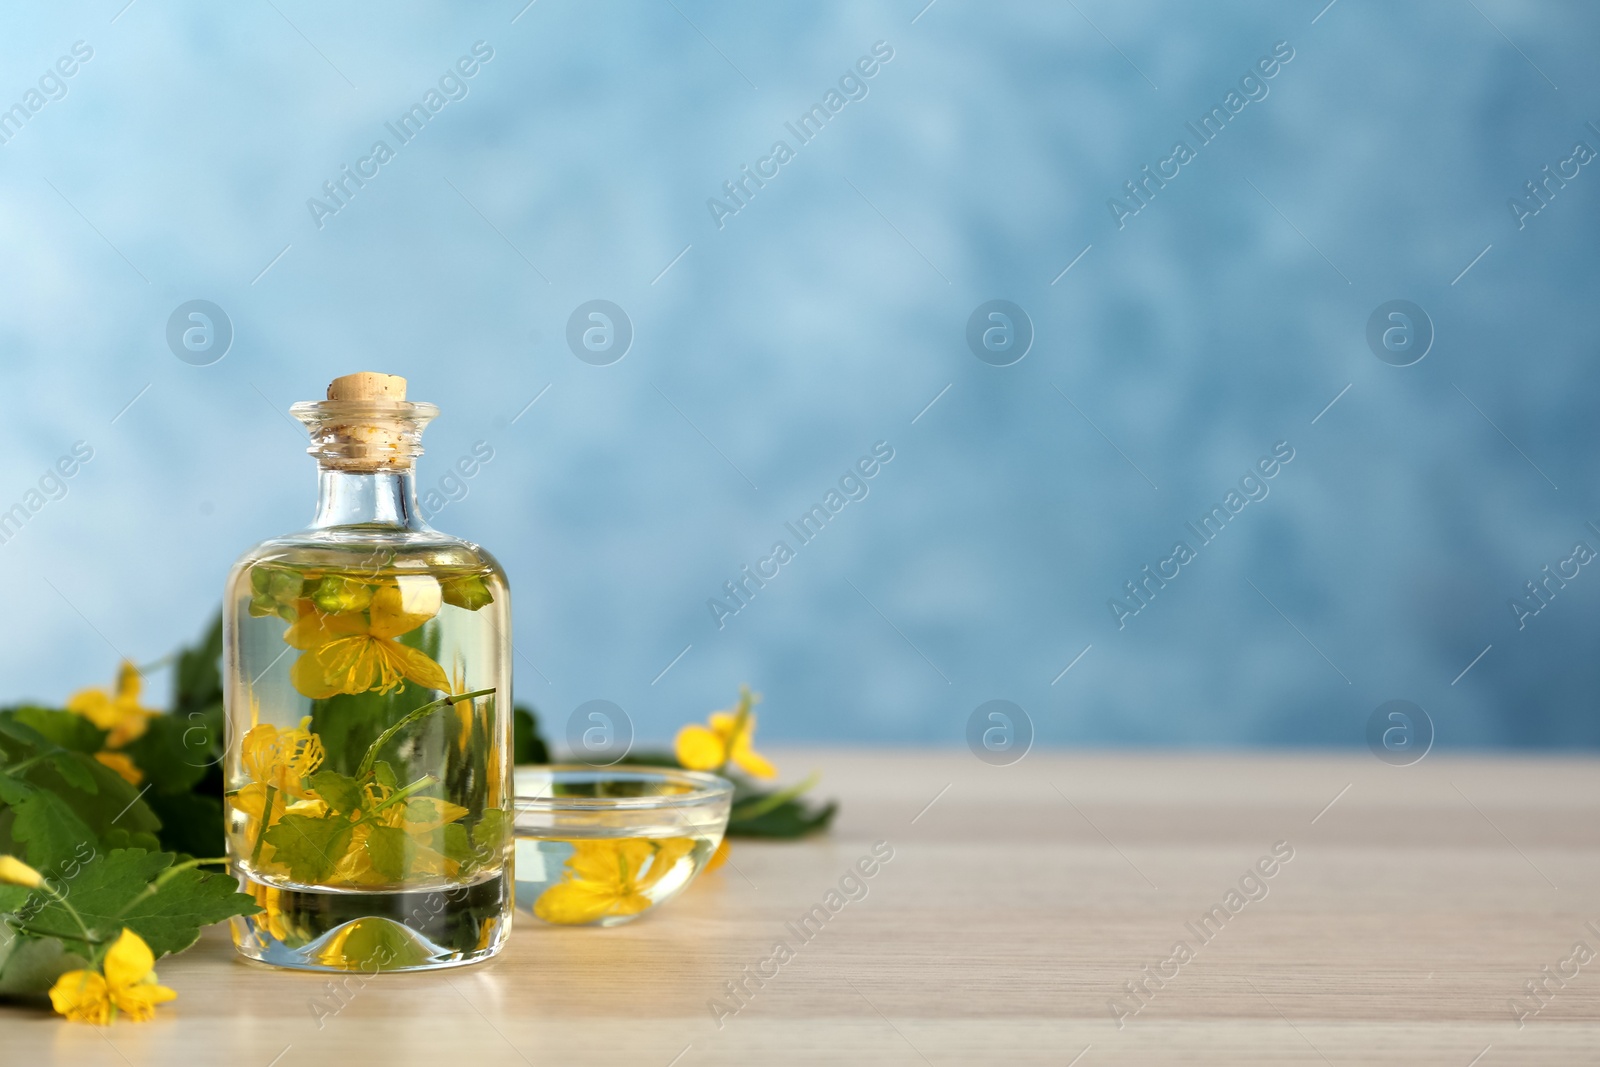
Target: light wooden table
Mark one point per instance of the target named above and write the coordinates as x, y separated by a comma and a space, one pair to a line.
1018, 903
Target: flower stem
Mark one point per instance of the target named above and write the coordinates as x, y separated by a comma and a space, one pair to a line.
406, 720
23, 765
157, 664
266, 821
420, 784
61, 898
756, 807
743, 717
24, 928
178, 868
166, 875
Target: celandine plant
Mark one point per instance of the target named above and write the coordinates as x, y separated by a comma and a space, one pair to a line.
368, 686
363, 796
105, 804
109, 801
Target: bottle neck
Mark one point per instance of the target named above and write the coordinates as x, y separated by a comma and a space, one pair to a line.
367, 498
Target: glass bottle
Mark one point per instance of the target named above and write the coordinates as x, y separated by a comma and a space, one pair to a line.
368, 688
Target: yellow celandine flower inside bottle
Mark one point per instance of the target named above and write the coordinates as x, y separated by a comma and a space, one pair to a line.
367, 681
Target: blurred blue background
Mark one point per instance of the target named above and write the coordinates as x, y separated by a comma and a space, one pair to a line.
774, 347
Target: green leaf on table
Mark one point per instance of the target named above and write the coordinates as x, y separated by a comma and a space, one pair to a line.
204, 736
102, 887
112, 802
29, 966
65, 728
198, 675
23, 740
311, 847
51, 831
77, 770
136, 889
163, 752
24, 743
341, 792
792, 818
190, 823
21, 744
170, 920
391, 850
653, 757
117, 837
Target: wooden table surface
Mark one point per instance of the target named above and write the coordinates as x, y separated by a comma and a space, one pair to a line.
1019, 902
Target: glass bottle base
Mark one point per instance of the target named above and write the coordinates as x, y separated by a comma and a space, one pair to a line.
318, 929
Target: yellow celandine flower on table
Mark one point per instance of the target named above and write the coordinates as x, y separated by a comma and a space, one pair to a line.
128, 986
117, 712
726, 739
610, 878
357, 652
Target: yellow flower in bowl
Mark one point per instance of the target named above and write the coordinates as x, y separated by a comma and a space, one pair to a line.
602, 846
606, 879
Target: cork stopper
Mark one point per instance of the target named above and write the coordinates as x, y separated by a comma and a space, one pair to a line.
367, 385
366, 424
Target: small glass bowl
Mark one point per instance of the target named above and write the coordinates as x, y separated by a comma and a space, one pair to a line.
601, 846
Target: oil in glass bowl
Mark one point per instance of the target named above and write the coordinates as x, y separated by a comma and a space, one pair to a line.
603, 846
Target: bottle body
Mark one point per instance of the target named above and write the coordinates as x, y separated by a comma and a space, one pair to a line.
368, 688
